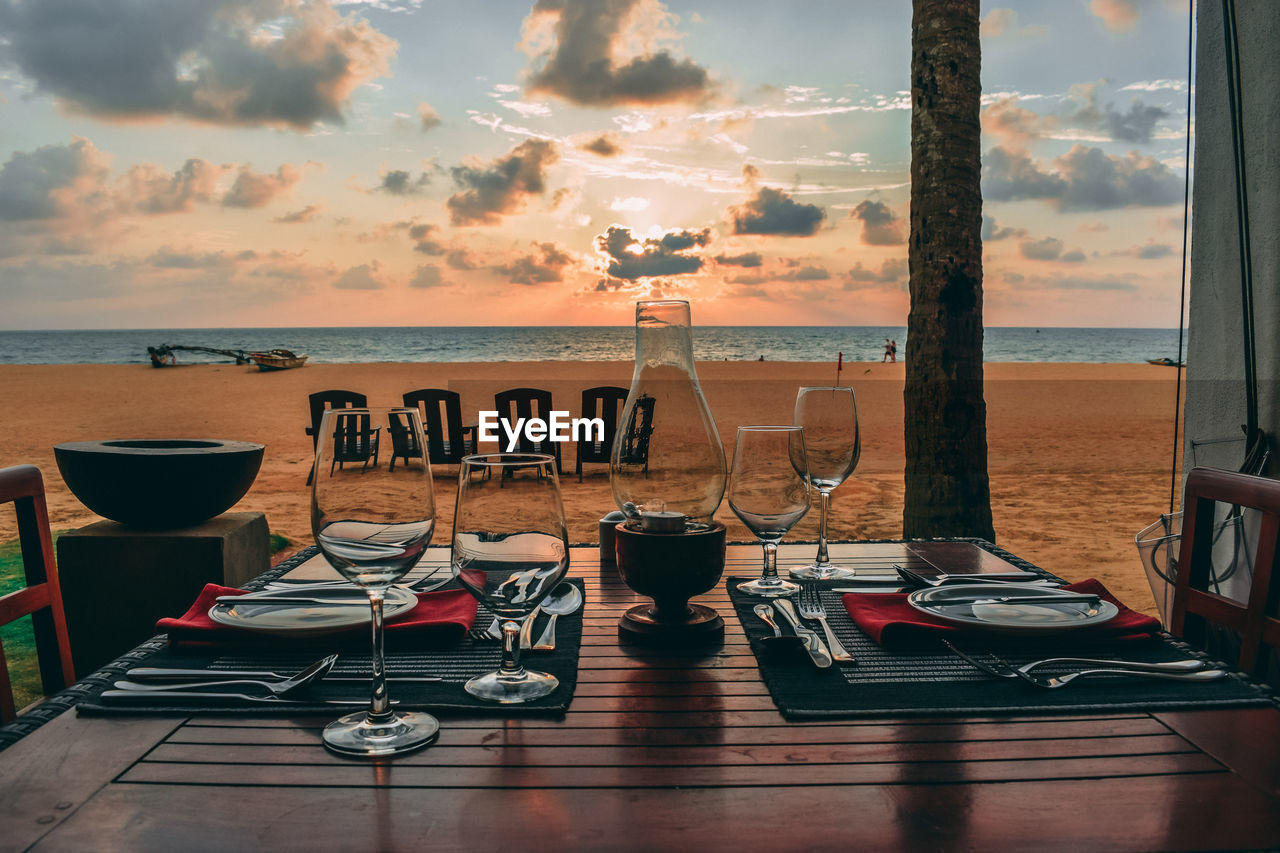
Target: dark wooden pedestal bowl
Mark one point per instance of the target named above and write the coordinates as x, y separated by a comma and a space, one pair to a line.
159, 484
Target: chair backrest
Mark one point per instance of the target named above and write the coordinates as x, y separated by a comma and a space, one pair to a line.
322, 400
635, 440
23, 486
353, 436
402, 438
1195, 607
441, 413
605, 402
516, 403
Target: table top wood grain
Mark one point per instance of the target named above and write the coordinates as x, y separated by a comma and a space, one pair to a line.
659, 751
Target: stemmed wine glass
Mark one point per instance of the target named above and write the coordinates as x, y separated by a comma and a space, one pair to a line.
372, 524
832, 441
510, 549
769, 492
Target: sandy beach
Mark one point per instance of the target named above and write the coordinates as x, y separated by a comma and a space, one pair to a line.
1079, 453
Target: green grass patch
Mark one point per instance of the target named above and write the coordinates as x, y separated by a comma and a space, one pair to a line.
278, 543
17, 638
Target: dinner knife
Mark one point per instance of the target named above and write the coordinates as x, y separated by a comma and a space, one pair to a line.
1059, 598
292, 599
160, 697
143, 673
812, 642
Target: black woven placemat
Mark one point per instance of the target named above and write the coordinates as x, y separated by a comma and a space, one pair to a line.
454, 664
931, 681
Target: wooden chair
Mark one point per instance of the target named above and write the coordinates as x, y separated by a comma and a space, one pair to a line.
23, 486
635, 438
404, 444
319, 402
516, 403
441, 411
355, 439
1248, 632
604, 402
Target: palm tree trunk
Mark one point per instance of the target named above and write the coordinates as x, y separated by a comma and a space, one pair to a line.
947, 489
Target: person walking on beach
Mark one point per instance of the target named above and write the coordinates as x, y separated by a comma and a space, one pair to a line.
893, 352
888, 351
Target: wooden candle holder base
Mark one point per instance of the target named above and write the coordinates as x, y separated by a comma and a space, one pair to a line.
671, 568
641, 626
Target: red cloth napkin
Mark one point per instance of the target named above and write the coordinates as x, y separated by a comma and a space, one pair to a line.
889, 619
439, 618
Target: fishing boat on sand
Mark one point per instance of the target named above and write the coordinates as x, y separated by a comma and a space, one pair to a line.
164, 355
277, 359
1166, 362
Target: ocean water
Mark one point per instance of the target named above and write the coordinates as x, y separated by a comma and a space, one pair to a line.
589, 343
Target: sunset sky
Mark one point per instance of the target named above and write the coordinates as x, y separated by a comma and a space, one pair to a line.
206, 163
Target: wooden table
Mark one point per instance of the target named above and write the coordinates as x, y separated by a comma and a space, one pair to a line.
658, 752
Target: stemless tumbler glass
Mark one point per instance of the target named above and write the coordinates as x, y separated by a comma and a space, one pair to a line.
832, 444
769, 492
372, 524
510, 549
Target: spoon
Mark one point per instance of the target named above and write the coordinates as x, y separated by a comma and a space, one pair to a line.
563, 600
765, 612
280, 689
778, 642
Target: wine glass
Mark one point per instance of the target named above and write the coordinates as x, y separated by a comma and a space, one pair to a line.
372, 524
510, 549
768, 490
832, 442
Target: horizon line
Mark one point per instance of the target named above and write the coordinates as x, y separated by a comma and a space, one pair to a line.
579, 326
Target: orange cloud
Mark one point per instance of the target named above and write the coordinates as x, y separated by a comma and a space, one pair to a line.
1119, 16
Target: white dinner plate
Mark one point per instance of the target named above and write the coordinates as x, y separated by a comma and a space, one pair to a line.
307, 620
953, 603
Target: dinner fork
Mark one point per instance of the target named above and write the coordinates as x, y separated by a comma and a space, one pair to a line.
1010, 671
1055, 681
810, 605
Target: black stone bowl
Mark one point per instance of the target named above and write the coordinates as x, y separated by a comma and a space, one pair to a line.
159, 483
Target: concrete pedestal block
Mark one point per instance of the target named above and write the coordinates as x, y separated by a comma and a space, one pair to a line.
117, 581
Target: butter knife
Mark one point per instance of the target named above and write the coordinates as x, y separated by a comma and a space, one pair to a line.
812, 642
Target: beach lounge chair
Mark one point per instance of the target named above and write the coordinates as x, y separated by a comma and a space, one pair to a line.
355, 440
1241, 628
441, 411
321, 401
515, 403
404, 444
635, 438
41, 598
604, 402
